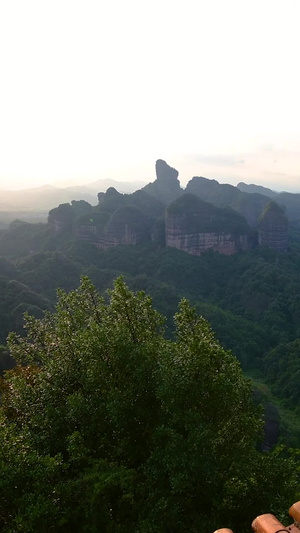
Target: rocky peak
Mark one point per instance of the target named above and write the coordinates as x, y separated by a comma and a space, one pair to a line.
111, 192
164, 172
166, 188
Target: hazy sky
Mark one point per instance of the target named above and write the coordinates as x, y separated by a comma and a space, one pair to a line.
96, 89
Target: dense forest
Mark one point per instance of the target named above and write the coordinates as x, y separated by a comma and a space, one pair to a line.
247, 288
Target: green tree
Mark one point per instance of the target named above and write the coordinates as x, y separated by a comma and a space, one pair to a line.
106, 425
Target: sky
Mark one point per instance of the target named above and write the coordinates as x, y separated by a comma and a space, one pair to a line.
102, 89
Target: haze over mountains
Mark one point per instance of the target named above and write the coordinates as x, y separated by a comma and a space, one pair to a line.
45, 197
34, 204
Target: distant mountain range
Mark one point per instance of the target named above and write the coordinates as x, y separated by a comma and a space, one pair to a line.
39, 200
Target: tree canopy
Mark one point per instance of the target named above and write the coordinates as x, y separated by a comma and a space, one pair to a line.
107, 425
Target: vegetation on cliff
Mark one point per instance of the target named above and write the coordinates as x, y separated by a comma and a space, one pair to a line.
273, 227
198, 216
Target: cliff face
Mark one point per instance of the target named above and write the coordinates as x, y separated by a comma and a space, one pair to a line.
127, 225
194, 226
273, 228
197, 243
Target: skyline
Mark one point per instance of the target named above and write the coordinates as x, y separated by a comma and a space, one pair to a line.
233, 176
93, 90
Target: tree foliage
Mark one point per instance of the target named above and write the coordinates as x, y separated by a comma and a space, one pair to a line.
106, 425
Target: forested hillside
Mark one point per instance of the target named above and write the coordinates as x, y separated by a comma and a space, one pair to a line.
248, 294
107, 425
250, 298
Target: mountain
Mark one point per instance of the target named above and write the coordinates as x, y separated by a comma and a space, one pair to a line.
223, 195
121, 186
188, 223
118, 218
258, 189
290, 202
101, 185
41, 198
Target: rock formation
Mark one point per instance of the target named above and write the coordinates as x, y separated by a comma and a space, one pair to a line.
166, 188
61, 218
215, 216
164, 172
120, 219
273, 228
195, 227
127, 225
